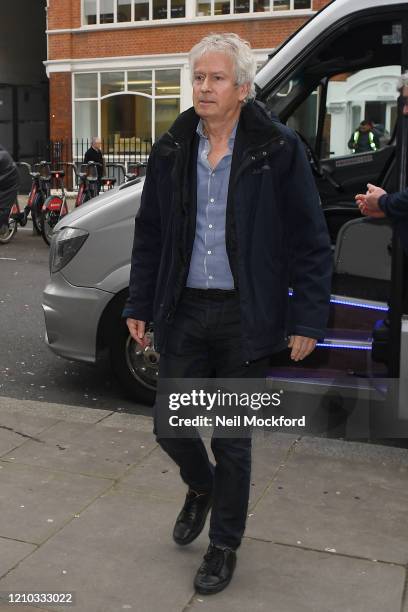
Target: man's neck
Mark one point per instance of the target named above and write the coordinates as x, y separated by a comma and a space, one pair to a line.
220, 130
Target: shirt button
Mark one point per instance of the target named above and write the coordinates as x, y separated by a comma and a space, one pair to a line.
210, 226
211, 200
209, 252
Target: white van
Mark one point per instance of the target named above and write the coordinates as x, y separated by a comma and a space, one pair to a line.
341, 67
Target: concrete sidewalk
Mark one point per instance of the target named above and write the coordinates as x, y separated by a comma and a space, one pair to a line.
88, 503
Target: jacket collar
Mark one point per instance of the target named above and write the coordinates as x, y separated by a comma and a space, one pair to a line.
255, 127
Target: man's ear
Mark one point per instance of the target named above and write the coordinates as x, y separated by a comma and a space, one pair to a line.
244, 91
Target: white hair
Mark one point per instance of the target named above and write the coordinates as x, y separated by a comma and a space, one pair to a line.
238, 49
402, 81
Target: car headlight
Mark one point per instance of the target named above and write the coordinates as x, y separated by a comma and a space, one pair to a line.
65, 245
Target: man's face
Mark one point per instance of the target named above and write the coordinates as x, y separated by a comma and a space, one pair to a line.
364, 128
215, 93
98, 144
405, 97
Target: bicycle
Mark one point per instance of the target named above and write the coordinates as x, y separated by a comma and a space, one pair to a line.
54, 208
88, 187
133, 172
39, 192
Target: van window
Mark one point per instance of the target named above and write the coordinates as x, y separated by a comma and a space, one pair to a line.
350, 98
365, 95
350, 76
373, 41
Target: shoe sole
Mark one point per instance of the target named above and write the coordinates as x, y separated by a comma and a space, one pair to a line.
201, 527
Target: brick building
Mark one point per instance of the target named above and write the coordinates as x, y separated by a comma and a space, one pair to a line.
119, 68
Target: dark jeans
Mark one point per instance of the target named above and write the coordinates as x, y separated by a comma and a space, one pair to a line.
205, 341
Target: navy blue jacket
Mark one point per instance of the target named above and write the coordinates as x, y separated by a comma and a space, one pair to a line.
276, 234
395, 206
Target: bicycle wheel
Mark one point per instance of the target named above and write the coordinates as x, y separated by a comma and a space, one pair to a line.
36, 214
50, 216
12, 228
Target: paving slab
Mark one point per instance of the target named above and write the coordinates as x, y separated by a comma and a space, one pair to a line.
85, 448
275, 578
52, 410
35, 502
12, 552
355, 507
156, 475
131, 422
18, 427
117, 555
268, 455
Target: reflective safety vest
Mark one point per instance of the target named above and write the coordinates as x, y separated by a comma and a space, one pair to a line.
370, 139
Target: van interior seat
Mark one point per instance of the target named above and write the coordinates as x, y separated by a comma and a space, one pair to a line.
337, 215
363, 249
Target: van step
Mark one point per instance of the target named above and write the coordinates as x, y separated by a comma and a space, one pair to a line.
354, 314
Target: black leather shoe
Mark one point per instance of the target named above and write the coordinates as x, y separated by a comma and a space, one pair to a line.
216, 571
191, 520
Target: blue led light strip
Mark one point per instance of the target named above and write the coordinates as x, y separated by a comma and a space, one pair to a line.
359, 305
355, 304
343, 346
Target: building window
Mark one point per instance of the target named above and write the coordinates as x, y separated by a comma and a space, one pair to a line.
215, 8
141, 10
126, 124
106, 11
90, 13
124, 10
86, 86
97, 12
112, 82
128, 109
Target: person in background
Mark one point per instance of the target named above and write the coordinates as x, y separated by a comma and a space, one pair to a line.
376, 202
94, 153
9, 183
364, 138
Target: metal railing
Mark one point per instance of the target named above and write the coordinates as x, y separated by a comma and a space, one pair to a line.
116, 149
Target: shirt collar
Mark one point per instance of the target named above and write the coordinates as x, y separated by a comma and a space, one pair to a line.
200, 132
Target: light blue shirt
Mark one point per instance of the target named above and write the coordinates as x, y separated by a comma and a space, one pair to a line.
209, 266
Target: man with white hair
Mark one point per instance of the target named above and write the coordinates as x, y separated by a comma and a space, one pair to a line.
94, 154
229, 208
376, 202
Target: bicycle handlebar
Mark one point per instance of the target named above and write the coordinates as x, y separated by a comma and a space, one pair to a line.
25, 164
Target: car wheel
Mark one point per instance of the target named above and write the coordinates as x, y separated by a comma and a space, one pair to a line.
136, 369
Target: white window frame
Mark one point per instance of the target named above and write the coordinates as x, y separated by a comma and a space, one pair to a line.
191, 15
153, 96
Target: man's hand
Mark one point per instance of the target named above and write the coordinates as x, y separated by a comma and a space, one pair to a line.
368, 203
137, 331
301, 347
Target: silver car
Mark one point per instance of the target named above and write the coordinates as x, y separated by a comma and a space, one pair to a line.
305, 83
82, 303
